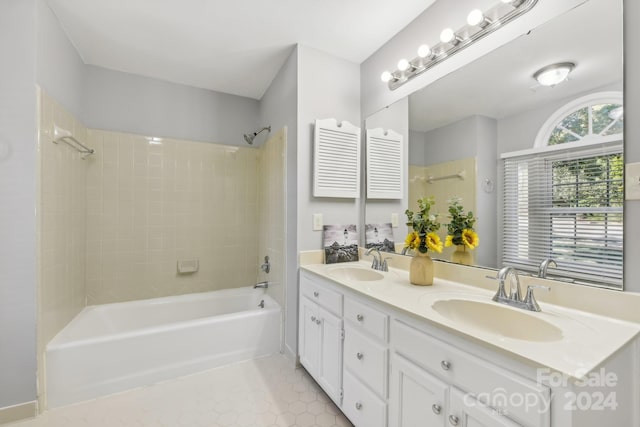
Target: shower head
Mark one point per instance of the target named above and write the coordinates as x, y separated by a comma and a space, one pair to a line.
250, 138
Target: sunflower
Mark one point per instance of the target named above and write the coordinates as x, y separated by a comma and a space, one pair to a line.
434, 243
448, 241
470, 238
412, 241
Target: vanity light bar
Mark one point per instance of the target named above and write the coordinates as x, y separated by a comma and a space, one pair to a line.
452, 42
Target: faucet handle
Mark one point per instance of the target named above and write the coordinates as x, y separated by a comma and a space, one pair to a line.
530, 299
385, 264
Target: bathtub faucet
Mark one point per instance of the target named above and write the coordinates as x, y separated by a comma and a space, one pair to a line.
263, 285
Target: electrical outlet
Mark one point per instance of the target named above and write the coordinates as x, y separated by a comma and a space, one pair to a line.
632, 181
394, 219
317, 222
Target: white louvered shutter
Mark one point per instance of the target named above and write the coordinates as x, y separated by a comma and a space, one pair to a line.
385, 168
336, 159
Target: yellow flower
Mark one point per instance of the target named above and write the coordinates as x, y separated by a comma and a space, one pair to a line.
470, 238
448, 241
412, 241
434, 243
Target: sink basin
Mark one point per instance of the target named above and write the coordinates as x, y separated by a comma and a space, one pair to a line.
355, 273
498, 320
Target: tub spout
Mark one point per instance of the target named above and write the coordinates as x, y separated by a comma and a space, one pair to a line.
263, 285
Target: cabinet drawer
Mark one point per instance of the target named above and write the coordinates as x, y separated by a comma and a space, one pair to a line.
314, 289
491, 385
366, 359
361, 406
366, 318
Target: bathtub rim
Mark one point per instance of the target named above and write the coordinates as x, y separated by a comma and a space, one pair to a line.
272, 307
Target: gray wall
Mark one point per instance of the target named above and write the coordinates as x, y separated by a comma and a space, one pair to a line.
279, 108
60, 71
18, 141
142, 105
451, 142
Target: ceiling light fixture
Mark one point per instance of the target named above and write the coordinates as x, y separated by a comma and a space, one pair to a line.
478, 26
553, 74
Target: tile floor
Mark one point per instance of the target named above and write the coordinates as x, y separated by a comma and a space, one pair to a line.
265, 392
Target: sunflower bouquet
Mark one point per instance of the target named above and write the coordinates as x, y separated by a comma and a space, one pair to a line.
424, 225
460, 230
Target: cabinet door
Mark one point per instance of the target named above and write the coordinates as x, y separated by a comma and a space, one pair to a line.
309, 339
417, 398
330, 364
466, 411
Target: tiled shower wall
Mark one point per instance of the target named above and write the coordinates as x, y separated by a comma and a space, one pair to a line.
152, 202
271, 212
444, 190
62, 224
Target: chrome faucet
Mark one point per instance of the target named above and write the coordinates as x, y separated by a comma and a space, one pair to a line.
263, 285
544, 265
378, 263
514, 299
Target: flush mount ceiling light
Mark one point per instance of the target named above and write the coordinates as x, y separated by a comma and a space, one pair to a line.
479, 24
553, 74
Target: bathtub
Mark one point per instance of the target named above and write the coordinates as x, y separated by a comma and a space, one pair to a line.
114, 347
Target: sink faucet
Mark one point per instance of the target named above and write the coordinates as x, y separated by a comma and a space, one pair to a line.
378, 263
515, 298
544, 265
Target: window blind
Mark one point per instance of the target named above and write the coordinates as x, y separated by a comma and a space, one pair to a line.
567, 206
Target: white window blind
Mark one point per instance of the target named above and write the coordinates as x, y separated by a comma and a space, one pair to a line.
568, 206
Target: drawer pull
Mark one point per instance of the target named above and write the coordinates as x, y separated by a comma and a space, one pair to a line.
358, 406
316, 294
359, 356
436, 408
445, 365
360, 317
453, 420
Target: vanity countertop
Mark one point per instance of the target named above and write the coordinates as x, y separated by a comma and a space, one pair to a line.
586, 340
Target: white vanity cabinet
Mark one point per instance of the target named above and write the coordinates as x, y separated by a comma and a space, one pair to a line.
321, 334
458, 388
366, 363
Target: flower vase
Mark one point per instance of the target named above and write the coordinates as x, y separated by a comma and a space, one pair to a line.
421, 269
462, 256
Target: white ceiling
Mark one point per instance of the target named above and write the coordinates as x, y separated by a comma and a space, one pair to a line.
501, 83
232, 46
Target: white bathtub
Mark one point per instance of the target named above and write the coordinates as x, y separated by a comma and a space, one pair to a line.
114, 347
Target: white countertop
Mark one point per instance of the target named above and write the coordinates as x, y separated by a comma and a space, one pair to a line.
587, 339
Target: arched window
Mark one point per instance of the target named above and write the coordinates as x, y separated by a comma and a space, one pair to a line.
564, 198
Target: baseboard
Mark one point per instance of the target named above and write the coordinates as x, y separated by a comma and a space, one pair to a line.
291, 355
18, 412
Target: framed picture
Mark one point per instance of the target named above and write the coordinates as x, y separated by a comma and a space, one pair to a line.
379, 236
340, 243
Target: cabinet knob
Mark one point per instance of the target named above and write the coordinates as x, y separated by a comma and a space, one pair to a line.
316, 294
318, 321
359, 356
453, 420
313, 318
436, 408
358, 406
445, 365
360, 317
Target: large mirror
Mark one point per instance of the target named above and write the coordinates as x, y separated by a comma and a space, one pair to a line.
459, 128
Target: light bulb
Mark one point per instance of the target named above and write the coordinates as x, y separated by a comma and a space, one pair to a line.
424, 51
507, 1
403, 65
475, 17
447, 35
386, 76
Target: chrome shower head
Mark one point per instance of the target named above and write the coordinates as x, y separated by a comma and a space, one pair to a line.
250, 138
